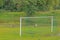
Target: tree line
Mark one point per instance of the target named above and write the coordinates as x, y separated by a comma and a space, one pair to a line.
29, 6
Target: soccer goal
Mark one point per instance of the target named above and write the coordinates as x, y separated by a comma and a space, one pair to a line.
41, 21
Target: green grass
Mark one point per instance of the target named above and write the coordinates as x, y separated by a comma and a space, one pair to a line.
42, 33
9, 33
28, 33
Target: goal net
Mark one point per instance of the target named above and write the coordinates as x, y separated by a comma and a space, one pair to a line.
36, 25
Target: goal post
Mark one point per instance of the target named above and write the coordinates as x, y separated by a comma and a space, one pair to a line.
51, 25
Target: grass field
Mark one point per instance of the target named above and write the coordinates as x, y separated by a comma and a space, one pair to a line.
9, 27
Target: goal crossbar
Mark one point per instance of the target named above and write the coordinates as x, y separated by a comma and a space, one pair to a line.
38, 17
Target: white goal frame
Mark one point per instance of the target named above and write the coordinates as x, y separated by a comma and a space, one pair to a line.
51, 17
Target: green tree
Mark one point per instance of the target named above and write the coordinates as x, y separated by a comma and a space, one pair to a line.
29, 8
8, 4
